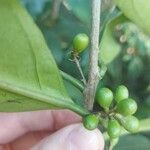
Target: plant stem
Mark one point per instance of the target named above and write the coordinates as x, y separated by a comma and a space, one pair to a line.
78, 109
55, 9
72, 80
80, 69
112, 143
52, 16
93, 76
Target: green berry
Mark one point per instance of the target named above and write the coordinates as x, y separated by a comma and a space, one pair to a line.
91, 122
80, 42
127, 107
104, 97
130, 123
113, 129
121, 93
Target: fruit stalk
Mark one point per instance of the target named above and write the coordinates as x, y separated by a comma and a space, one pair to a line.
80, 70
93, 76
72, 80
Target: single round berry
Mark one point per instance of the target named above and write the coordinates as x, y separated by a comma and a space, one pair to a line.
91, 122
121, 93
130, 123
127, 107
113, 129
104, 97
80, 42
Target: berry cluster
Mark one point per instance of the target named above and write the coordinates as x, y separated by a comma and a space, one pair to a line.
118, 113
115, 113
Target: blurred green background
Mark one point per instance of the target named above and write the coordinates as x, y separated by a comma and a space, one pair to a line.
130, 67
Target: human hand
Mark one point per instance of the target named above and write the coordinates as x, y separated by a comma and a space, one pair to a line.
47, 130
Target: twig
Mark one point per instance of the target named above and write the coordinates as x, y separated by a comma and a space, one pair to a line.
52, 16
72, 80
55, 9
93, 76
112, 143
80, 69
109, 145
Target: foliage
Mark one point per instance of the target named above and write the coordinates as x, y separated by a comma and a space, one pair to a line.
31, 80
32, 84
137, 11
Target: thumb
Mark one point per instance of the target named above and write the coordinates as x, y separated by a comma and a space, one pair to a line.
73, 137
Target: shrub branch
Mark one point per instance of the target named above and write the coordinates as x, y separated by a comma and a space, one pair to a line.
93, 76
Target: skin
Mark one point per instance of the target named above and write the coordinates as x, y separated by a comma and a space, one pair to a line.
45, 130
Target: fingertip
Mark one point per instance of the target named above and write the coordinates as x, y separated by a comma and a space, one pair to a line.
81, 138
73, 137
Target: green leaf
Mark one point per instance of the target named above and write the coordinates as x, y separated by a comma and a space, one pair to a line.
133, 142
109, 47
138, 11
29, 77
75, 94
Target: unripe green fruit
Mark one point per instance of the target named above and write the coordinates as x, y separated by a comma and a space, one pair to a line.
91, 122
127, 107
113, 129
130, 123
80, 42
121, 93
104, 97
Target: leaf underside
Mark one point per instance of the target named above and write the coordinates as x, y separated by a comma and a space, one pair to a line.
29, 77
138, 11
